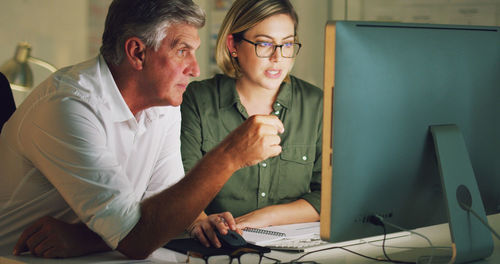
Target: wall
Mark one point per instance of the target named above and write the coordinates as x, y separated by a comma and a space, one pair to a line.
313, 14
66, 32
56, 29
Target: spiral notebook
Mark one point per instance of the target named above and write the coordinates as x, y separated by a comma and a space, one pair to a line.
265, 235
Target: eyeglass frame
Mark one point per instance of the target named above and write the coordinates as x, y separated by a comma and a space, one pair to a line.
234, 255
275, 46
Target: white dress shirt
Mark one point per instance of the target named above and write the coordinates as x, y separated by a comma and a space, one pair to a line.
73, 150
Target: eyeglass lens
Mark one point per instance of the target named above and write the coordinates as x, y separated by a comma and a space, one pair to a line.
265, 49
247, 258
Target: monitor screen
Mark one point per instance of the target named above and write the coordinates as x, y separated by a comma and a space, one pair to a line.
385, 85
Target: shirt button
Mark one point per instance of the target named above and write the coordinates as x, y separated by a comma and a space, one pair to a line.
304, 158
264, 164
277, 112
277, 104
263, 194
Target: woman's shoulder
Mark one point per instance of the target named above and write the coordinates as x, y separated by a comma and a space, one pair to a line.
305, 87
216, 80
208, 86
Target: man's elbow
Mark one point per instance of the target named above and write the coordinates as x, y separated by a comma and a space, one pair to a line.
134, 249
136, 253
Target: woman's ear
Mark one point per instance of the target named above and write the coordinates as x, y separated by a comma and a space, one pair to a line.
231, 46
135, 51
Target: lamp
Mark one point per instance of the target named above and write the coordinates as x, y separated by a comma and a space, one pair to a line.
17, 70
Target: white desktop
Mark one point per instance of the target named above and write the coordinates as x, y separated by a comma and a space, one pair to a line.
407, 248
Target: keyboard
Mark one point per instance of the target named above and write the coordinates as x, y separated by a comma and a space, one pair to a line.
300, 245
315, 243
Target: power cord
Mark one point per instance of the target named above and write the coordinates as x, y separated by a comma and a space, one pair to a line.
297, 260
379, 221
469, 209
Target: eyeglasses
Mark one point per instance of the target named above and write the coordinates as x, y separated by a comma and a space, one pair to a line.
267, 49
243, 257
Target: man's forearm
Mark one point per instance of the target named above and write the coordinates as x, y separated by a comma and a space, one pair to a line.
168, 213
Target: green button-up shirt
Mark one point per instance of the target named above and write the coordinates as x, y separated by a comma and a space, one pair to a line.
211, 109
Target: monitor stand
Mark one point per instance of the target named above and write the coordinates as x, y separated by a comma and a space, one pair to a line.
471, 239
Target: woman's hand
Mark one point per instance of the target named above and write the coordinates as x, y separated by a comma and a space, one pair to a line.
204, 228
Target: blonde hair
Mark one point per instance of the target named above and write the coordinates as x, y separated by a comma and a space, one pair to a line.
243, 15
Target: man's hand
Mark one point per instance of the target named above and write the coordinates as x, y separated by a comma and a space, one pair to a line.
255, 140
52, 238
204, 228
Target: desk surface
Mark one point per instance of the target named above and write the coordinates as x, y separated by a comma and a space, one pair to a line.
402, 248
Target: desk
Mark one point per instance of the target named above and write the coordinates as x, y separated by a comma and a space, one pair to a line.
397, 248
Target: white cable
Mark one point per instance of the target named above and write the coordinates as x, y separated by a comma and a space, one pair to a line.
377, 244
466, 207
411, 231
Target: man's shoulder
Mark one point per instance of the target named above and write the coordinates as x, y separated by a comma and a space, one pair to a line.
78, 72
79, 80
79, 86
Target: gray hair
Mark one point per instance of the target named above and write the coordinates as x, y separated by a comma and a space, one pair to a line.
146, 20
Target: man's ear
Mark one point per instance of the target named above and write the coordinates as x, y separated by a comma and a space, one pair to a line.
135, 51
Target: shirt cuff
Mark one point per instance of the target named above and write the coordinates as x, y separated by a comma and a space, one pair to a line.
314, 198
115, 222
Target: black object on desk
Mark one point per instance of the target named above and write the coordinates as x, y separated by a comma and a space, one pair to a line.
231, 239
194, 247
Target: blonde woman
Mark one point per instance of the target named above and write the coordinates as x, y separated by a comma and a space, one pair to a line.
256, 48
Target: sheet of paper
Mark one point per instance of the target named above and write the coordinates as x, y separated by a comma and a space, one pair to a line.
301, 230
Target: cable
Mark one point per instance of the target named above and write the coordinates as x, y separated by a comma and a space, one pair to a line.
348, 250
381, 219
374, 244
485, 223
273, 259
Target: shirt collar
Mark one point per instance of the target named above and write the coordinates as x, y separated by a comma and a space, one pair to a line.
118, 107
228, 95
285, 94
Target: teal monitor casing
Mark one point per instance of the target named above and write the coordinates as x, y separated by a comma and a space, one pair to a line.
386, 85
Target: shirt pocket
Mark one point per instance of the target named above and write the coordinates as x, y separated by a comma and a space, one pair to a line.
295, 168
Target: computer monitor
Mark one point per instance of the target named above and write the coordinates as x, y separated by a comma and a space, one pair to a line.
385, 84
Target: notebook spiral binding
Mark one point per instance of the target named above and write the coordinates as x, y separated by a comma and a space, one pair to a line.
265, 232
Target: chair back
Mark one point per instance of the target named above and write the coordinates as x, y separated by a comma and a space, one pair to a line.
7, 103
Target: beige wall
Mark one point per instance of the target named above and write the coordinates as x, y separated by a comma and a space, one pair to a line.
56, 29
65, 32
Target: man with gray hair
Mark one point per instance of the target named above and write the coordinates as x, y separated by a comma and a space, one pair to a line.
91, 160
